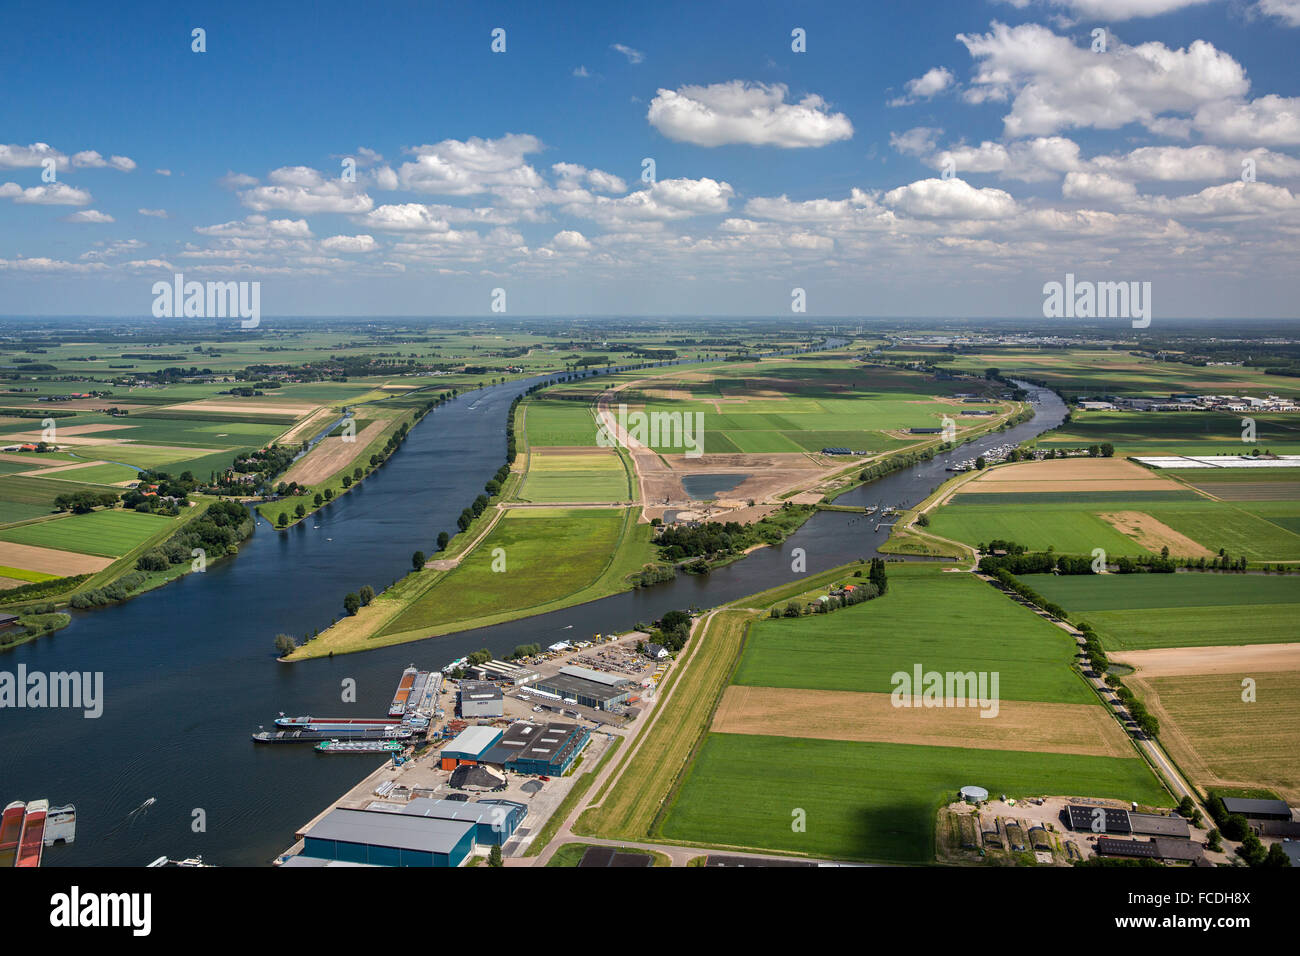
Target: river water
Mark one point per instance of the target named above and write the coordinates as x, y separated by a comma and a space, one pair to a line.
189, 670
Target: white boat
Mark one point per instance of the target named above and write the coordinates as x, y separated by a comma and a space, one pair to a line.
61, 825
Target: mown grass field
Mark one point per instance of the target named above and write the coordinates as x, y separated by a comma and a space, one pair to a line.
1070, 529
556, 422
599, 476
1138, 611
109, 534
942, 620
867, 801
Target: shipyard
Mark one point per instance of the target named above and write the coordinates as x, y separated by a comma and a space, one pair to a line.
479, 754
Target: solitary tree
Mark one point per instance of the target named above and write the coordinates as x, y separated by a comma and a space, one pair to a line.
443, 538
283, 520
285, 645
494, 856
417, 560
367, 594
351, 602
300, 510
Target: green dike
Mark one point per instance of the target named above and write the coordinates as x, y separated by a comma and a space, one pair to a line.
867, 801
554, 558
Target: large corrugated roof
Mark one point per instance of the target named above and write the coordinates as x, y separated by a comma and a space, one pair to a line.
473, 740
600, 677
399, 830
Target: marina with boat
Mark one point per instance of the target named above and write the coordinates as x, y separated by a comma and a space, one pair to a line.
26, 829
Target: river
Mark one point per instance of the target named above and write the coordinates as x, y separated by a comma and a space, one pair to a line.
189, 670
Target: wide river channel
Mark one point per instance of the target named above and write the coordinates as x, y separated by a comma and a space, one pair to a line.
189, 670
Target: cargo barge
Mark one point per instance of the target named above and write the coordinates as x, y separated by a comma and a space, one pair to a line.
390, 732
11, 830
32, 841
331, 723
398, 707
359, 746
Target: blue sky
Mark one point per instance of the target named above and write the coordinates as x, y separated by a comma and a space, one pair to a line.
921, 159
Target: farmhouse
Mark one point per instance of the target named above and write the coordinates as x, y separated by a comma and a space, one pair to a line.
1095, 819
1157, 848
1258, 809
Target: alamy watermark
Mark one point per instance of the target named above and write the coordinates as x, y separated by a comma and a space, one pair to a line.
58, 689
922, 688
1098, 300
657, 430
211, 300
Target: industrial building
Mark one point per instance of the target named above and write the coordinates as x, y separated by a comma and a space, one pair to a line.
512, 674
552, 750
587, 687
481, 699
388, 839
517, 736
494, 820
468, 746
1258, 809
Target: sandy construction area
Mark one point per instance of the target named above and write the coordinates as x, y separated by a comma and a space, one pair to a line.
1154, 535
50, 561
660, 476
845, 715
331, 455
1222, 659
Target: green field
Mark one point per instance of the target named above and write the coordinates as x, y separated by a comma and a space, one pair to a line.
1137, 611
1175, 433
943, 620
1069, 529
548, 553
552, 422
867, 801
1070, 522
109, 534
589, 478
